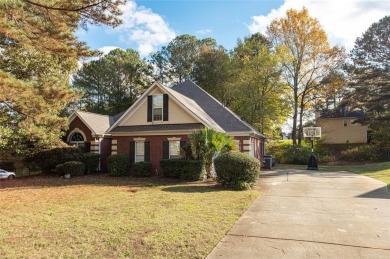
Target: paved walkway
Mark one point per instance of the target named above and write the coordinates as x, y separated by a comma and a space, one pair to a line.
310, 214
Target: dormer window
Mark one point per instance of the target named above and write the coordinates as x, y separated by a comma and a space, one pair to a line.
157, 107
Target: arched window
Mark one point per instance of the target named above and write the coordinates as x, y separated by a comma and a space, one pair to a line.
76, 138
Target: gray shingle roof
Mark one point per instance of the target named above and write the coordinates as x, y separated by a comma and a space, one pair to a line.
158, 127
97, 122
196, 109
342, 113
226, 119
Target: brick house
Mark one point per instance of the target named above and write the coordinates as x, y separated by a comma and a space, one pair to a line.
158, 124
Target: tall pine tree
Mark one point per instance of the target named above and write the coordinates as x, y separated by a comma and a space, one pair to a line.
369, 76
39, 52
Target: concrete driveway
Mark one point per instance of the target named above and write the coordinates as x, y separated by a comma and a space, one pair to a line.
311, 214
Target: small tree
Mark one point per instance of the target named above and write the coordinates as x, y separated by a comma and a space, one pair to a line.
207, 143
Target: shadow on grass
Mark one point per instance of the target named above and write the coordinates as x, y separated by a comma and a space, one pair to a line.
194, 189
98, 179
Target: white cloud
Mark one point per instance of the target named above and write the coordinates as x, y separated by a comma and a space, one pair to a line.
106, 49
343, 20
204, 31
144, 27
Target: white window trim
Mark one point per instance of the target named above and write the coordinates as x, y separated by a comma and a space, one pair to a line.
174, 139
170, 147
135, 150
162, 107
76, 130
252, 149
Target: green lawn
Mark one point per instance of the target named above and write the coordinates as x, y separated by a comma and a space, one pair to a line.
379, 171
98, 216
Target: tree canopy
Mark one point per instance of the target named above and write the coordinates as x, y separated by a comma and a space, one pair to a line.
112, 83
39, 53
309, 59
369, 78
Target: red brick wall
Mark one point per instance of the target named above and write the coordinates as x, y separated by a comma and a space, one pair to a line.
259, 143
156, 147
77, 123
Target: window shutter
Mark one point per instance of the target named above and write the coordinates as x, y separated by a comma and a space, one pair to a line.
150, 107
166, 150
182, 144
165, 107
147, 151
132, 151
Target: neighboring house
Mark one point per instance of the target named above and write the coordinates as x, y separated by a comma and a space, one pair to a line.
157, 125
340, 127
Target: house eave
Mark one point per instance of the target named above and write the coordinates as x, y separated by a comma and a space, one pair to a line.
151, 133
245, 133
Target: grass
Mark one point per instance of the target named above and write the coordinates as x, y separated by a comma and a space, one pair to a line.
98, 216
379, 171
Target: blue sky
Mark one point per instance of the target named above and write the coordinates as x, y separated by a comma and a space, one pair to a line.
150, 24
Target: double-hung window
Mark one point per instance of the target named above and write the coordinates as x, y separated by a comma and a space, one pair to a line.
139, 151
157, 107
174, 149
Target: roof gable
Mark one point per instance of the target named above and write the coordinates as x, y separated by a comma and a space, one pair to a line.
97, 123
186, 104
226, 119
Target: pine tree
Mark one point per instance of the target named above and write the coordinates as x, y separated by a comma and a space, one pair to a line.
113, 83
369, 76
39, 53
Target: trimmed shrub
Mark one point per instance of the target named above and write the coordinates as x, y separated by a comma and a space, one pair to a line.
184, 169
141, 169
47, 160
74, 168
118, 165
91, 161
237, 170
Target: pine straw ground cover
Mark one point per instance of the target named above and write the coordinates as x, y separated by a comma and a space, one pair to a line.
98, 216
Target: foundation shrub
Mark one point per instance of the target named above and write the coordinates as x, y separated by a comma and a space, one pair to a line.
118, 165
91, 161
237, 170
141, 169
184, 169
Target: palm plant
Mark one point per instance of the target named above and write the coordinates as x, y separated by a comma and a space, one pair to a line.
206, 144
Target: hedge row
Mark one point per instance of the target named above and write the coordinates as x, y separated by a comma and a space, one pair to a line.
118, 165
184, 169
91, 161
74, 168
47, 160
286, 153
141, 169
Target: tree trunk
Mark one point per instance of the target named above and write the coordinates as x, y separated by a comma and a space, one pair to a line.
295, 116
208, 170
300, 128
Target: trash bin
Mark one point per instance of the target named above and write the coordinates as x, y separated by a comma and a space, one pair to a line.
267, 162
